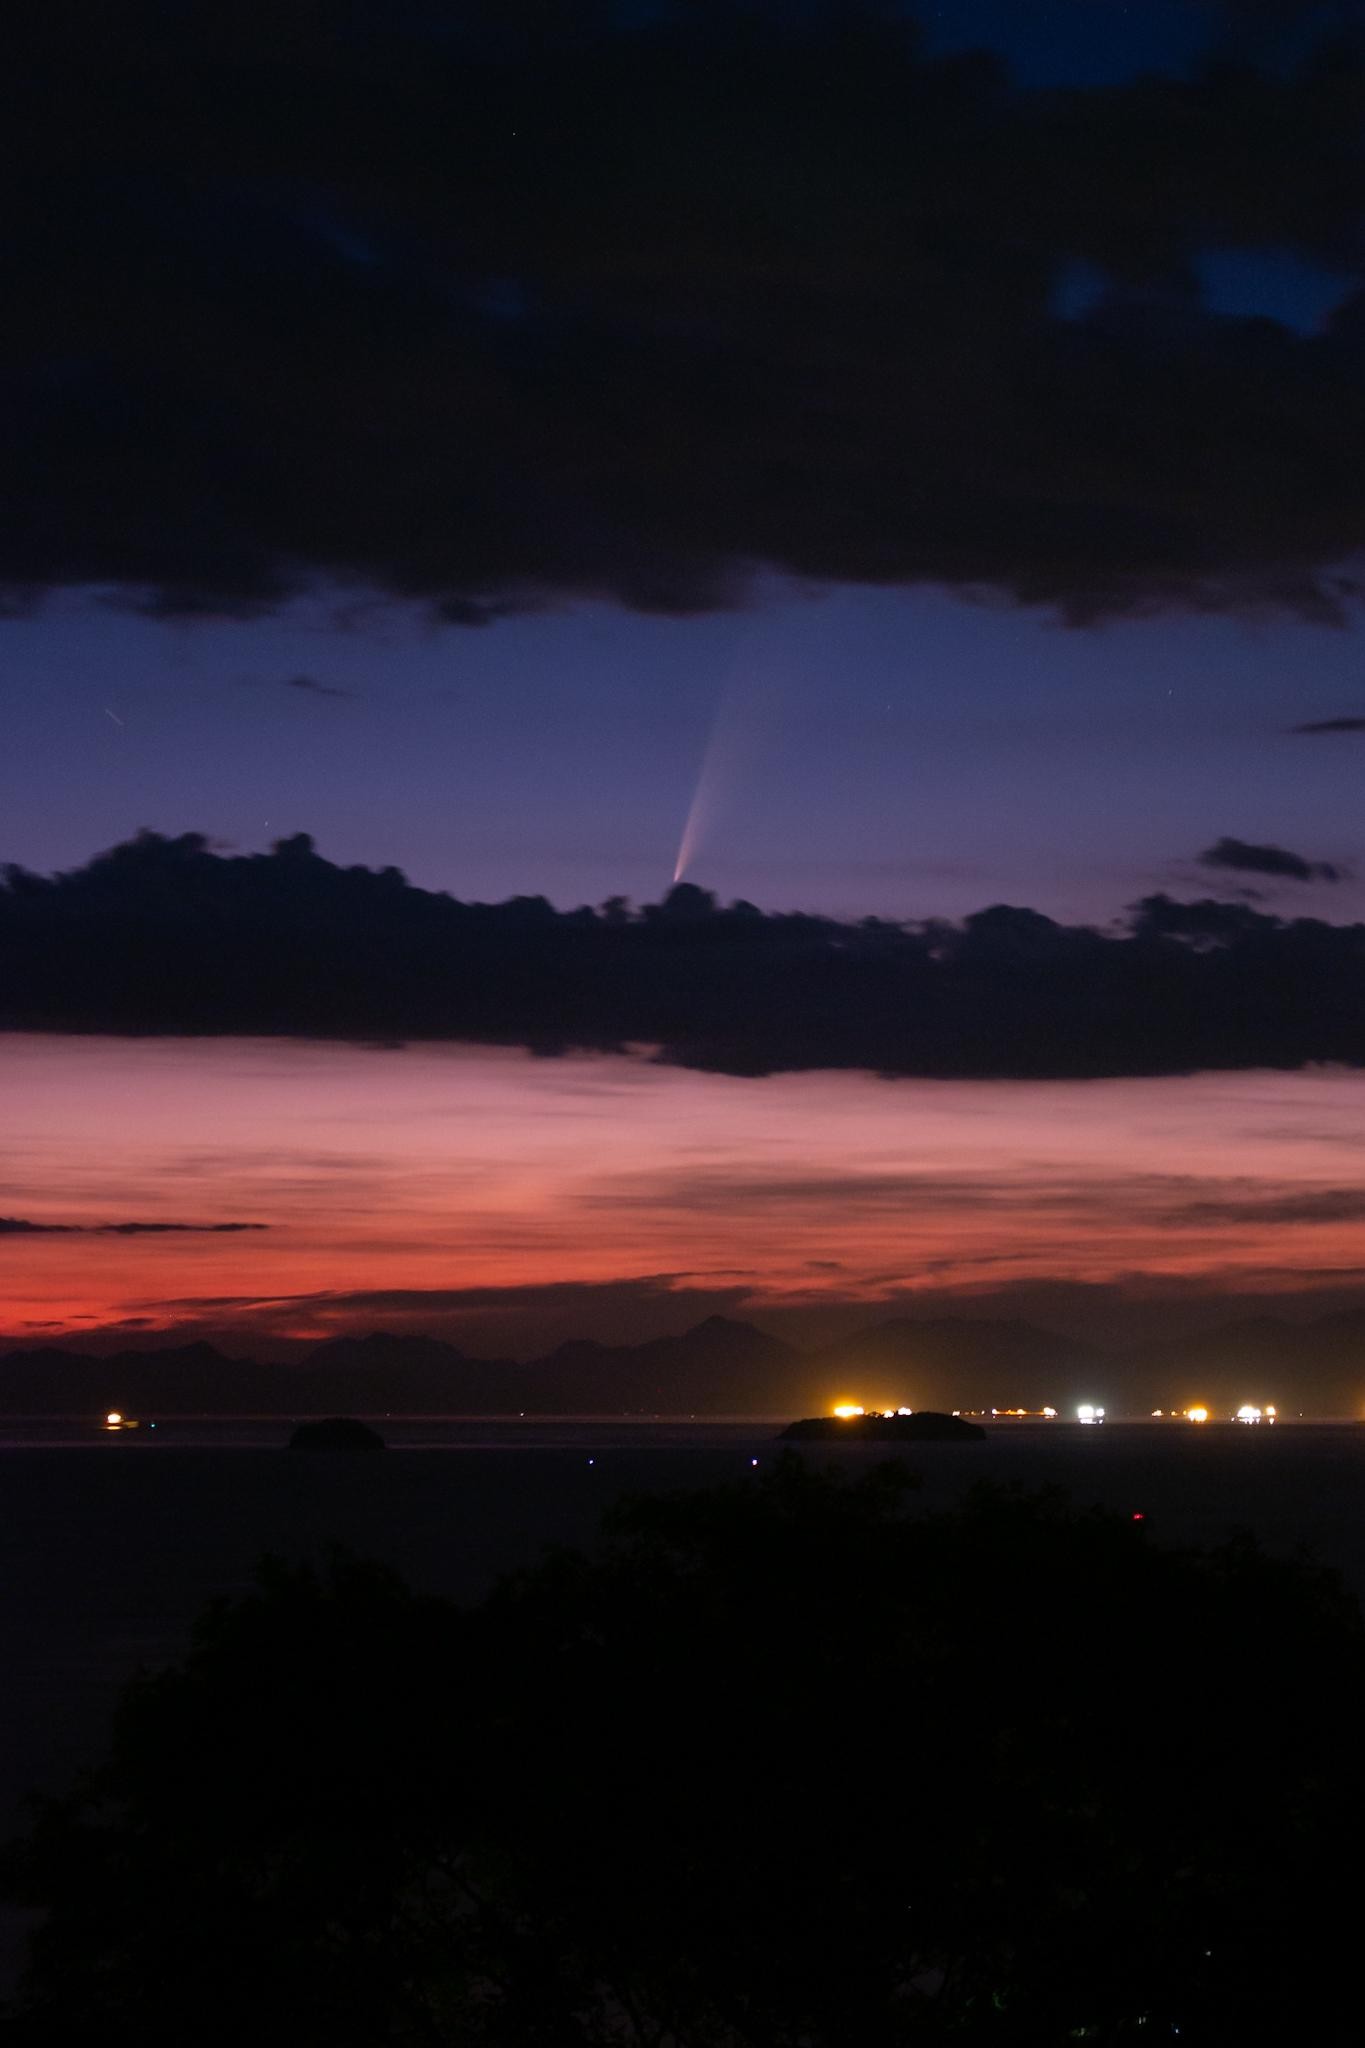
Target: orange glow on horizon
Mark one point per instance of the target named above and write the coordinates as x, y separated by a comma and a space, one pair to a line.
432, 1170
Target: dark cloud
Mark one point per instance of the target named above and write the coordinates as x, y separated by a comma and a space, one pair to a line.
1331, 725
168, 936
22, 1226
1313, 1205
400, 1302
161, 1229
1167, 1200
313, 688
491, 1320
494, 305
1241, 857
725, 1190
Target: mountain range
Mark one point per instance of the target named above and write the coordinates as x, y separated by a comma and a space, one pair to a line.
719, 1367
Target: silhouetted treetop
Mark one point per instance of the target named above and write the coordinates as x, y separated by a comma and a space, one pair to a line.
787, 1761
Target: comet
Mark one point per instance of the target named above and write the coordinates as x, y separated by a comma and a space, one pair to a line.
700, 810
746, 714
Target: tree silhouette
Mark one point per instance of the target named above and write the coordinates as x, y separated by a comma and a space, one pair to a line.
779, 1765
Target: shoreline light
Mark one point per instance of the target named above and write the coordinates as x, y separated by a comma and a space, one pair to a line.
1088, 1412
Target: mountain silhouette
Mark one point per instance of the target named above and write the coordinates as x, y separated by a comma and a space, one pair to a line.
951, 1362
1318, 1366
718, 1367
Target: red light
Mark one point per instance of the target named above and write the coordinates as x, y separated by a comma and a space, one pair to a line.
1139, 1518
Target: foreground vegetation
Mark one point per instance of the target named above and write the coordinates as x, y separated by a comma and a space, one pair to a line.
784, 1764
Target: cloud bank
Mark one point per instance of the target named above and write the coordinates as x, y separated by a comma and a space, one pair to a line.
166, 936
490, 306
24, 1226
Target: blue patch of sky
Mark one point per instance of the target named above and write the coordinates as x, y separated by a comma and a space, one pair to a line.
1274, 283
1105, 42
1077, 290
1074, 42
1243, 284
500, 298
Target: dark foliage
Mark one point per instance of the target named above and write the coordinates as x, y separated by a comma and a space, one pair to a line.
493, 305
163, 935
782, 1763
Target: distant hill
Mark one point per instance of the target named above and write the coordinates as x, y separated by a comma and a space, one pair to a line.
952, 1362
1317, 1366
719, 1367
389, 1373
183, 1379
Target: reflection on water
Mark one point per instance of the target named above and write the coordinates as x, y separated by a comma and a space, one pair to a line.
565, 1432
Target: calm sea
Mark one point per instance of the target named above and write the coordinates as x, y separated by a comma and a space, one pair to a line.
111, 1544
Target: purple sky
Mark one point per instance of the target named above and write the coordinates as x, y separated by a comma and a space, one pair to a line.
907, 754
717, 361
896, 750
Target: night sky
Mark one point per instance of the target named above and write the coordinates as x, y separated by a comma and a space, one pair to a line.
869, 462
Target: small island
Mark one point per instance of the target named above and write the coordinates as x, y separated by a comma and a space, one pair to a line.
336, 1433
923, 1426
